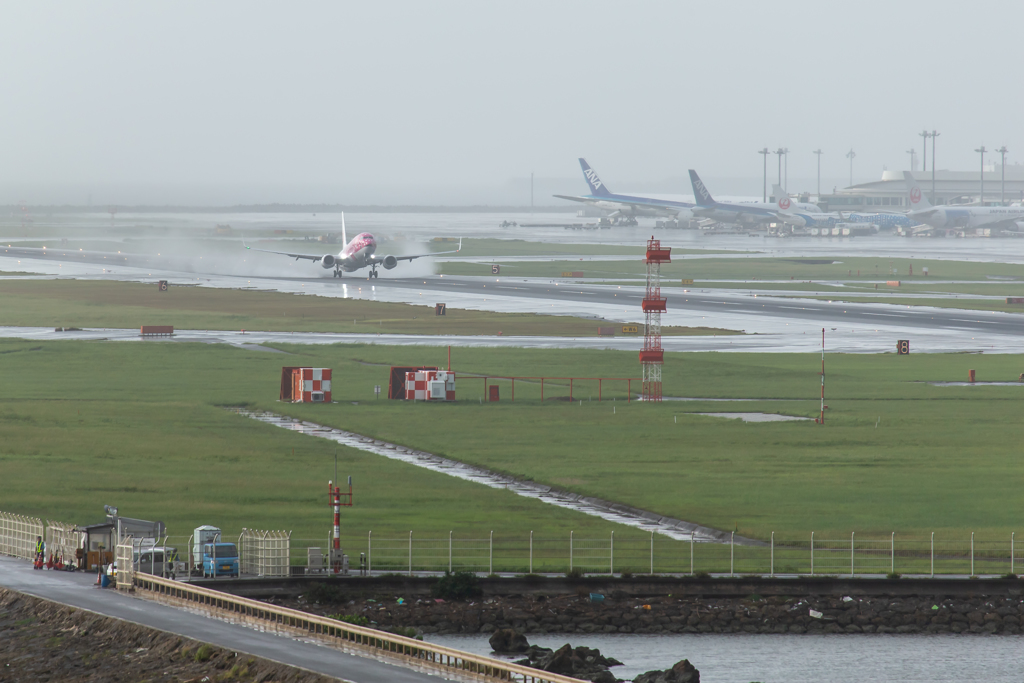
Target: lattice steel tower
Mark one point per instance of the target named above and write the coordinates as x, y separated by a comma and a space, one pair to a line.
653, 356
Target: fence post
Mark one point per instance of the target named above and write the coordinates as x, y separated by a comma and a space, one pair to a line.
691, 554
892, 549
652, 552
851, 553
369, 552
531, 551
972, 553
611, 555
732, 553
570, 551
772, 567
449, 552
933, 555
812, 553
1012, 534
490, 554
410, 553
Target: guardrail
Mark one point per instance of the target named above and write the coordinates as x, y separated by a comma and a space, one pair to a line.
358, 639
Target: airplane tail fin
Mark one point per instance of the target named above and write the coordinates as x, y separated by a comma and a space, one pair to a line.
344, 237
700, 193
917, 199
597, 188
782, 199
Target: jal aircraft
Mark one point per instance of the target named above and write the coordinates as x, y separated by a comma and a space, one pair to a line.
753, 212
829, 220
1000, 217
357, 254
625, 205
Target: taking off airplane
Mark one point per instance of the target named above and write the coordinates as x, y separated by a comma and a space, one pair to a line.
355, 255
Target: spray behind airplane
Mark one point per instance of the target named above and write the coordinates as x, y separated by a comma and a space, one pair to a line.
355, 255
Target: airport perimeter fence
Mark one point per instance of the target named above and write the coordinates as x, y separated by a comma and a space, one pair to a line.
814, 555
18, 535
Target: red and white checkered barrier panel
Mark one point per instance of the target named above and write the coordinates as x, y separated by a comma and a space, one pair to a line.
430, 385
312, 385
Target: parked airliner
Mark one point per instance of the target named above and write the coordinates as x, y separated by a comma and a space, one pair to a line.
625, 205
355, 255
1000, 217
753, 212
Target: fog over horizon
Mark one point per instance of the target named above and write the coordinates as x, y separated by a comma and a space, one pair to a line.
457, 103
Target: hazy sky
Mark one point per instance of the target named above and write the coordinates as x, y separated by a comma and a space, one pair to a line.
331, 99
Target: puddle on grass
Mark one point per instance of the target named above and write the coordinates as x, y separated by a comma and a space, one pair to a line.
755, 417
613, 512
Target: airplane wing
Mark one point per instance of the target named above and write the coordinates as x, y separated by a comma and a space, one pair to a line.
285, 253
585, 200
410, 257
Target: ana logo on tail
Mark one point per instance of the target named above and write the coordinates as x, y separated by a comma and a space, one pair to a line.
698, 185
592, 177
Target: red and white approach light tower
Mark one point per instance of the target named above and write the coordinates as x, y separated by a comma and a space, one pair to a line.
337, 500
653, 356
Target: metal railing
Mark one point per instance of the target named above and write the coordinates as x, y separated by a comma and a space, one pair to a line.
356, 639
623, 552
18, 535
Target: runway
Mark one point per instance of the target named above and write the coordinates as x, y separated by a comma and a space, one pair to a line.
771, 321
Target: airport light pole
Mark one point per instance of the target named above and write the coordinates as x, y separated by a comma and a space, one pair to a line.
1002, 179
981, 196
924, 150
934, 134
818, 152
764, 152
780, 152
850, 155
785, 185
912, 152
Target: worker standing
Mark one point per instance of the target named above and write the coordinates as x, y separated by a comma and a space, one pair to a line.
40, 552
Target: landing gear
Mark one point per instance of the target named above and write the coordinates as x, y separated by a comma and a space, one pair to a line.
373, 272
337, 272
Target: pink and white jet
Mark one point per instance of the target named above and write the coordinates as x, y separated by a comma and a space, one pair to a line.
357, 254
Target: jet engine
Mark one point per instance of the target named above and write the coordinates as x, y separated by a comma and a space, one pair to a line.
328, 261
389, 262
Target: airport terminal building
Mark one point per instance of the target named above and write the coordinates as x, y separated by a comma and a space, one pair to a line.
951, 187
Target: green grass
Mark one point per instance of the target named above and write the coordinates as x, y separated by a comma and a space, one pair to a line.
839, 267
73, 303
138, 426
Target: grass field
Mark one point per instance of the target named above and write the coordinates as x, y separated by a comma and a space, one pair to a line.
74, 303
138, 425
835, 268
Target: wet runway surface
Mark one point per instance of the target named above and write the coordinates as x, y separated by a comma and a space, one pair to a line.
780, 321
77, 590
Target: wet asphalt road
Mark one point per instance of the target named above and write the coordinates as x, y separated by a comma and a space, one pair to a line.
76, 589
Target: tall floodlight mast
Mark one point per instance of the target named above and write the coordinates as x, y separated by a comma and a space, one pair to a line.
934, 134
1002, 177
652, 357
981, 195
764, 152
850, 155
818, 152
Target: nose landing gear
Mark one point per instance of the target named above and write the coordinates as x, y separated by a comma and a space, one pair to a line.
337, 272
373, 272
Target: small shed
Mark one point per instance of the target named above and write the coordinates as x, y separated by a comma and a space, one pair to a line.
396, 383
306, 385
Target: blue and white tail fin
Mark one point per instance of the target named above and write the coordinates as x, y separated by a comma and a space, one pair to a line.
917, 199
700, 193
344, 237
597, 188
